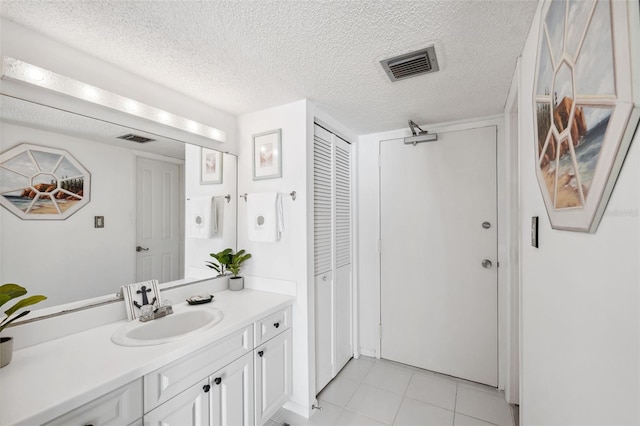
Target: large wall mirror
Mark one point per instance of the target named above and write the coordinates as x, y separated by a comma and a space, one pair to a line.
153, 212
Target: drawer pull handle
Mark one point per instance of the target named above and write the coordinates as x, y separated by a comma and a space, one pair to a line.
260, 353
218, 380
206, 388
276, 325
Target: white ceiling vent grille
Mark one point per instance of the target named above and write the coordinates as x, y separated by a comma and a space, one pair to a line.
135, 138
411, 64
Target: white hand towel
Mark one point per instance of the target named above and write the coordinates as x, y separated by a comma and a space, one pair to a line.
264, 223
203, 217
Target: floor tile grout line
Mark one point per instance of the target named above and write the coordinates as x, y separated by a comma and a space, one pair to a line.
404, 395
455, 405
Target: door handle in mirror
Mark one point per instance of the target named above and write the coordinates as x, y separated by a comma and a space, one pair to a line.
140, 248
486, 263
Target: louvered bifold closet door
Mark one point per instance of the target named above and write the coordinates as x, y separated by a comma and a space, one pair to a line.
323, 254
342, 251
332, 255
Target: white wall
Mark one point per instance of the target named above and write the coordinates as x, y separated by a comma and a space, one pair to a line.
58, 249
26, 45
580, 297
286, 259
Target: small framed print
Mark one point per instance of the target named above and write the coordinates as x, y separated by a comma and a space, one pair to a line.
210, 166
267, 155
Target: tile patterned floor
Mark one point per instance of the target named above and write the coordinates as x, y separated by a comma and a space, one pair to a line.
370, 392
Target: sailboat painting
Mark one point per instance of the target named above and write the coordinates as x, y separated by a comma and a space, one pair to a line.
584, 107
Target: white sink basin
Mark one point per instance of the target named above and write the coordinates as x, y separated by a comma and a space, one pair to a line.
176, 326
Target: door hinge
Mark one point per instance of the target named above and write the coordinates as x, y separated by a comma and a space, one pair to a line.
380, 331
379, 161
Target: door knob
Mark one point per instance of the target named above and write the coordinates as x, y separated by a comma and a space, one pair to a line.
140, 248
486, 225
486, 263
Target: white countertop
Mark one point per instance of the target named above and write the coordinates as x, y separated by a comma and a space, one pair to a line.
47, 380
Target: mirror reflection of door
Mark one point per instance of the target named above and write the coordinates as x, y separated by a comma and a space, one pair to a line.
159, 220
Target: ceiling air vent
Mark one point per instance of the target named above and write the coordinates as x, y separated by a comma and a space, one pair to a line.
135, 138
411, 64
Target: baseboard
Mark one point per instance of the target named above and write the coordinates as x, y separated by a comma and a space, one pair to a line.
298, 409
371, 353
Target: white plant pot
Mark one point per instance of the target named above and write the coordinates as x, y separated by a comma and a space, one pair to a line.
236, 283
6, 350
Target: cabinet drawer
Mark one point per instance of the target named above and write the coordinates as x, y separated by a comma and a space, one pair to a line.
122, 406
168, 381
271, 326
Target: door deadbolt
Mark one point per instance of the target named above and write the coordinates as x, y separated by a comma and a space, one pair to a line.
486, 263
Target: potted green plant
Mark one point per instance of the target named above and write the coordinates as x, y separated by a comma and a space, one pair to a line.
8, 292
236, 282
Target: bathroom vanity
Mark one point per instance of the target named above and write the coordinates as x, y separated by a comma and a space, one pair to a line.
237, 372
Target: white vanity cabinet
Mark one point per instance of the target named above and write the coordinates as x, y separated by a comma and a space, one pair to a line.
240, 380
122, 406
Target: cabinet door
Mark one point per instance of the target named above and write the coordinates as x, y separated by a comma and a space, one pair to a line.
273, 376
324, 330
191, 407
120, 407
232, 394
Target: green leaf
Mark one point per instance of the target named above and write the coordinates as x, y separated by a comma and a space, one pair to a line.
5, 323
31, 300
12, 291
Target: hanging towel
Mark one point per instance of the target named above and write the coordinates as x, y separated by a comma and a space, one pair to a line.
203, 217
265, 220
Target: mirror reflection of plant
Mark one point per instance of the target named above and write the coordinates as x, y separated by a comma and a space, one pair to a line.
227, 260
12, 291
222, 259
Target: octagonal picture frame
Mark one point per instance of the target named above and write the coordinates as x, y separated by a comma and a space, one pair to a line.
42, 183
586, 105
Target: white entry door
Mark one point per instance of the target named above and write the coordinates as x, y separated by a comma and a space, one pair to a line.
159, 202
439, 254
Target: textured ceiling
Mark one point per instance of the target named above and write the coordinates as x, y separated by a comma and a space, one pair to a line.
243, 56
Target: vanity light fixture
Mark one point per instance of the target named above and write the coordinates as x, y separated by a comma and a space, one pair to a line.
14, 69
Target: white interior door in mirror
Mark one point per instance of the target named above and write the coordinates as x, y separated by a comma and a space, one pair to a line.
159, 220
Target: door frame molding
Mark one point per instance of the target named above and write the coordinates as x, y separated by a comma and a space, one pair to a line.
513, 225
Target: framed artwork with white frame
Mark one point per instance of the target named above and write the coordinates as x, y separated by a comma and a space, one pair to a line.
267, 155
586, 105
210, 166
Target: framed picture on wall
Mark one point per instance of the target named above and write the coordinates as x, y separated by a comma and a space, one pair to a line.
210, 166
42, 183
267, 155
585, 107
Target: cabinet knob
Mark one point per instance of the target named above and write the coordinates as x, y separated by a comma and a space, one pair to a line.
260, 353
206, 388
218, 380
276, 325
